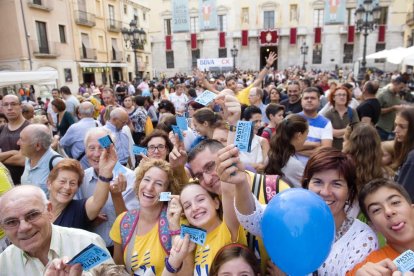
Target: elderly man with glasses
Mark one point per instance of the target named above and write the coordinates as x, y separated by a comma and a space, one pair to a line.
26, 219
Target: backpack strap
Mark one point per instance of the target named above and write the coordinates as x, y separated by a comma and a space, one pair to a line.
270, 186
251, 240
128, 234
51, 161
164, 232
350, 114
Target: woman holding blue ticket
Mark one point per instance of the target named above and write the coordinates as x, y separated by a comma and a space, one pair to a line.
63, 184
142, 238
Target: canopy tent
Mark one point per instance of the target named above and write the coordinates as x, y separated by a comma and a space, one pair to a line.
397, 55
28, 77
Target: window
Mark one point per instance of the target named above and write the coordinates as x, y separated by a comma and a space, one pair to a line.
268, 19
111, 10
194, 24
350, 16
125, 9
86, 49
136, 15
293, 12
222, 53
318, 18
42, 37
348, 53
384, 16
62, 34
116, 54
317, 54
379, 47
222, 20
245, 16
167, 26
170, 59
37, 2
144, 16
195, 54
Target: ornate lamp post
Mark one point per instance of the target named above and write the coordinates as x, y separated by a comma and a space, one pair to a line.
366, 18
137, 38
304, 51
234, 51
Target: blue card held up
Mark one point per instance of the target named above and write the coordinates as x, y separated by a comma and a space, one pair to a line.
165, 196
137, 150
206, 97
105, 141
182, 122
197, 235
405, 262
118, 169
244, 136
90, 257
178, 131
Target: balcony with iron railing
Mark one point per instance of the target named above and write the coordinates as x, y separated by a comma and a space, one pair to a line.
85, 18
117, 56
88, 54
45, 49
45, 5
410, 19
113, 25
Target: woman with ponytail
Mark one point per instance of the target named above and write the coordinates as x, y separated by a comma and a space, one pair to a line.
204, 122
290, 137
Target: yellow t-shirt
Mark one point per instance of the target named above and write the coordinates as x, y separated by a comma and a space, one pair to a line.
243, 95
215, 240
148, 255
5, 185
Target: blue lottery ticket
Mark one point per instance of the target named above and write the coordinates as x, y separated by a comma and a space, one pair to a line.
105, 141
244, 136
206, 97
182, 122
90, 257
405, 262
118, 169
137, 150
165, 196
178, 131
197, 235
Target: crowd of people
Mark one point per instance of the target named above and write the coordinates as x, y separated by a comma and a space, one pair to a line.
62, 189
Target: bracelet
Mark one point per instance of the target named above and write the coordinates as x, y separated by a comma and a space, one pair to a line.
231, 127
267, 67
170, 268
175, 232
105, 179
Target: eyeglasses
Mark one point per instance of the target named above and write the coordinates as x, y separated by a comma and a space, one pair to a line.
208, 169
30, 217
341, 95
160, 148
10, 104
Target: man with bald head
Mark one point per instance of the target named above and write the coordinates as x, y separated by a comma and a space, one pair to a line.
9, 134
72, 141
118, 120
28, 111
26, 217
34, 142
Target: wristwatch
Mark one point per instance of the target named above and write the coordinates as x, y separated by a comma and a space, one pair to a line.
105, 179
231, 127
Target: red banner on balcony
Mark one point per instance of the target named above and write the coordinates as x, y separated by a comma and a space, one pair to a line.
381, 33
268, 37
193, 41
168, 43
351, 34
245, 37
222, 40
293, 32
318, 35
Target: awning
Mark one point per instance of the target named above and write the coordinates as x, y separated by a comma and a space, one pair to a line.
29, 77
101, 64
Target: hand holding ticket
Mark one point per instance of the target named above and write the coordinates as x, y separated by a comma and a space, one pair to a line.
405, 262
90, 257
196, 235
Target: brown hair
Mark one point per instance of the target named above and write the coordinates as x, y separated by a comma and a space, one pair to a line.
162, 165
161, 134
67, 165
59, 104
233, 251
207, 115
331, 97
403, 148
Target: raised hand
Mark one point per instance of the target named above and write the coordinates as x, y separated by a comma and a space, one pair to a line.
229, 167
174, 212
271, 59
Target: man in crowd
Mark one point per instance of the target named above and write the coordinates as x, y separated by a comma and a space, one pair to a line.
108, 212
110, 103
26, 219
28, 111
256, 99
293, 103
389, 99
320, 128
34, 142
179, 99
370, 109
52, 115
72, 141
9, 134
71, 101
117, 120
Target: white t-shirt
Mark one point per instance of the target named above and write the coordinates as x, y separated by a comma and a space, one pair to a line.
178, 101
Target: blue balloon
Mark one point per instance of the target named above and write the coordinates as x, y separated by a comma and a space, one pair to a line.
298, 231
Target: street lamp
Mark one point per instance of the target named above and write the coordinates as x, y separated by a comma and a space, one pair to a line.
304, 51
137, 38
234, 51
366, 18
